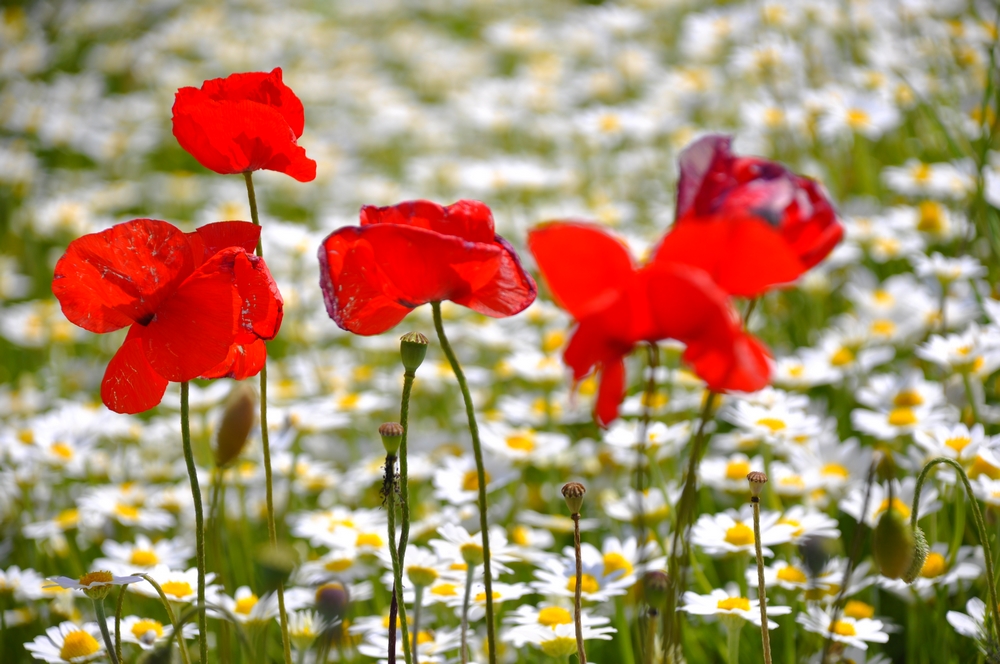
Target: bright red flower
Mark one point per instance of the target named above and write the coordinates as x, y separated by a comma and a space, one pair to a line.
244, 122
750, 223
617, 305
418, 252
196, 304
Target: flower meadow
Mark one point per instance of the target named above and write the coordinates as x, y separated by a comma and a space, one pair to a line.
497, 331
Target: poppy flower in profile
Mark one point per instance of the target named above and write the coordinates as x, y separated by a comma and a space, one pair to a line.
417, 252
244, 122
618, 305
750, 223
196, 304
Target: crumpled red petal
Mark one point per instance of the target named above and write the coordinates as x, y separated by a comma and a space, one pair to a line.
743, 365
467, 219
110, 279
610, 392
130, 384
210, 239
264, 88
585, 267
243, 361
510, 291
237, 136
261, 307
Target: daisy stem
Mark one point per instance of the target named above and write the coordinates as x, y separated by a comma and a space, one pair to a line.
199, 520
578, 591
272, 532
465, 614
397, 570
977, 516
761, 593
118, 621
733, 629
971, 396
418, 598
170, 614
477, 451
102, 622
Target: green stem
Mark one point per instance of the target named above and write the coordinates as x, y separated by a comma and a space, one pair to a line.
418, 598
977, 516
272, 532
971, 396
761, 592
648, 653
170, 615
581, 653
640, 461
397, 570
404, 484
199, 520
118, 621
733, 630
477, 451
102, 622
465, 614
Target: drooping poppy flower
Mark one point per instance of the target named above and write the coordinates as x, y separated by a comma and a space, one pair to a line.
417, 252
750, 223
244, 122
196, 304
617, 305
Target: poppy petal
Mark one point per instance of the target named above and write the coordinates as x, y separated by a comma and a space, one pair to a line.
264, 88
237, 136
193, 329
261, 306
704, 176
610, 392
584, 266
373, 275
243, 361
210, 239
743, 365
510, 291
130, 384
111, 279
466, 219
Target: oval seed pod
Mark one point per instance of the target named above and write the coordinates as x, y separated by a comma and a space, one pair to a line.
238, 419
893, 544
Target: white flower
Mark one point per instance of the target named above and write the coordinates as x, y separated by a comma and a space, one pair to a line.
728, 603
973, 624
852, 631
878, 501
557, 640
68, 642
731, 532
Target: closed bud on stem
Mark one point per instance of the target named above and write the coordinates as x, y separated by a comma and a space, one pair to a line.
275, 564
412, 350
893, 544
238, 417
655, 587
332, 600
757, 481
392, 436
920, 551
573, 493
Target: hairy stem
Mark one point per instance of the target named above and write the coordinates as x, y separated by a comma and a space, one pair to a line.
465, 614
578, 591
199, 520
397, 570
102, 622
761, 593
170, 614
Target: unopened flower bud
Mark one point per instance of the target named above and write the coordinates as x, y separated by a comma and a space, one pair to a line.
893, 544
472, 554
920, 551
332, 600
412, 350
655, 587
392, 436
238, 418
757, 481
573, 493
275, 564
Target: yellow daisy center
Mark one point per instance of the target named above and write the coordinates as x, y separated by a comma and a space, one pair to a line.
842, 357
740, 534
481, 597
521, 442
144, 558
177, 588
96, 577
62, 450
559, 647
369, 539
734, 603
588, 584
857, 118
858, 610
470, 481
551, 616
934, 566
339, 565
792, 574
958, 443
932, 219
78, 644
445, 590
126, 511
907, 399
897, 504
143, 627
68, 519
245, 605
737, 470
843, 628
772, 423
902, 417
614, 562
835, 470
981, 466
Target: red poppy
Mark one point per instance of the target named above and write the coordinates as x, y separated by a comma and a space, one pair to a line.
417, 252
244, 122
617, 305
196, 304
750, 223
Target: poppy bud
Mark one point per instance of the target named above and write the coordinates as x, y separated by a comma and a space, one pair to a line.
655, 585
332, 600
412, 350
893, 544
392, 436
238, 418
920, 551
757, 481
275, 564
573, 493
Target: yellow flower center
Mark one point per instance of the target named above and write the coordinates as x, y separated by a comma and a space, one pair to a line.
144, 558
932, 219
842, 628
26, 436
481, 597
934, 566
126, 511
445, 590
143, 627
897, 505
734, 603
958, 443
349, 401
883, 297
794, 524
553, 340
470, 481
588, 584
96, 577
796, 370
519, 536
835, 470
793, 482
981, 466
369, 539
857, 118
551, 616
424, 637
740, 535
772, 423
883, 327
339, 565
68, 519
62, 450
858, 610
245, 605
842, 357
792, 575
613, 562
520, 442
560, 647
737, 470
78, 644
907, 399
902, 417
177, 588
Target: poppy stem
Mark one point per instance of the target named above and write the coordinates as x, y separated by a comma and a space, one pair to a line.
477, 451
581, 653
199, 520
641, 460
272, 532
765, 635
397, 606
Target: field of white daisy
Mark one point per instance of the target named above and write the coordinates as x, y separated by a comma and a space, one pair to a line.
660, 427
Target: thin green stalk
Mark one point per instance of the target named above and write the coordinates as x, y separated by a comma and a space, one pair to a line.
761, 593
397, 570
641, 461
465, 614
170, 615
977, 516
102, 622
649, 649
404, 484
477, 451
418, 598
971, 396
581, 653
199, 520
272, 531
118, 621
733, 629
